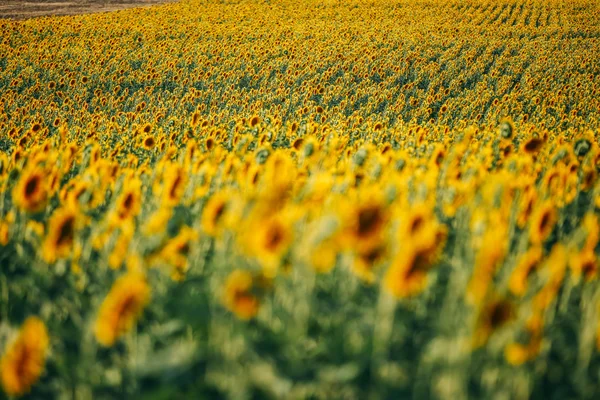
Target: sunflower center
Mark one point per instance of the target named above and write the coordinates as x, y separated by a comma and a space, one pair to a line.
65, 233
128, 201
32, 186
274, 238
499, 314
184, 249
22, 363
416, 224
368, 221
219, 211
533, 145
588, 268
174, 187
545, 222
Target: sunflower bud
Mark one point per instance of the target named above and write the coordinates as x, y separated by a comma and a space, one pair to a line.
582, 147
506, 130
262, 155
360, 157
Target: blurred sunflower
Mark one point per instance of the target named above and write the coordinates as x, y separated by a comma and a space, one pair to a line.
493, 315
364, 262
518, 353
238, 296
584, 264
174, 184
214, 212
129, 202
121, 308
24, 359
364, 223
528, 263
61, 234
177, 250
30, 192
542, 222
269, 238
407, 276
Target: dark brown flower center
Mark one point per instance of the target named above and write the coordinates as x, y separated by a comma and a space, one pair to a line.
31, 186
369, 219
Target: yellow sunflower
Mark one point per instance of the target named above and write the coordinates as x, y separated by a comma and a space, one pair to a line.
30, 192
121, 308
238, 296
129, 202
542, 222
269, 239
584, 263
23, 360
491, 316
528, 263
61, 234
214, 212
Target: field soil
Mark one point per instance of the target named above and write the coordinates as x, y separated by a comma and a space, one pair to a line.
19, 9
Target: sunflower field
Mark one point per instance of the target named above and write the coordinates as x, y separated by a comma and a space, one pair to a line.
307, 199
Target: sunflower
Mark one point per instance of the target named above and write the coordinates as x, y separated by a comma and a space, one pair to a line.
238, 296
195, 119
518, 353
366, 261
493, 315
416, 221
528, 263
214, 212
407, 276
30, 192
23, 360
297, 143
147, 129
174, 184
532, 146
129, 202
526, 205
365, 223
177, 250
584, 263
437, 157
254, 120
506, 128
542, 222
149, 142
269, 238
61, 234
589, 177
122, 307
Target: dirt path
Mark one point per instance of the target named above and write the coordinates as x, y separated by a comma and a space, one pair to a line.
19, 9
